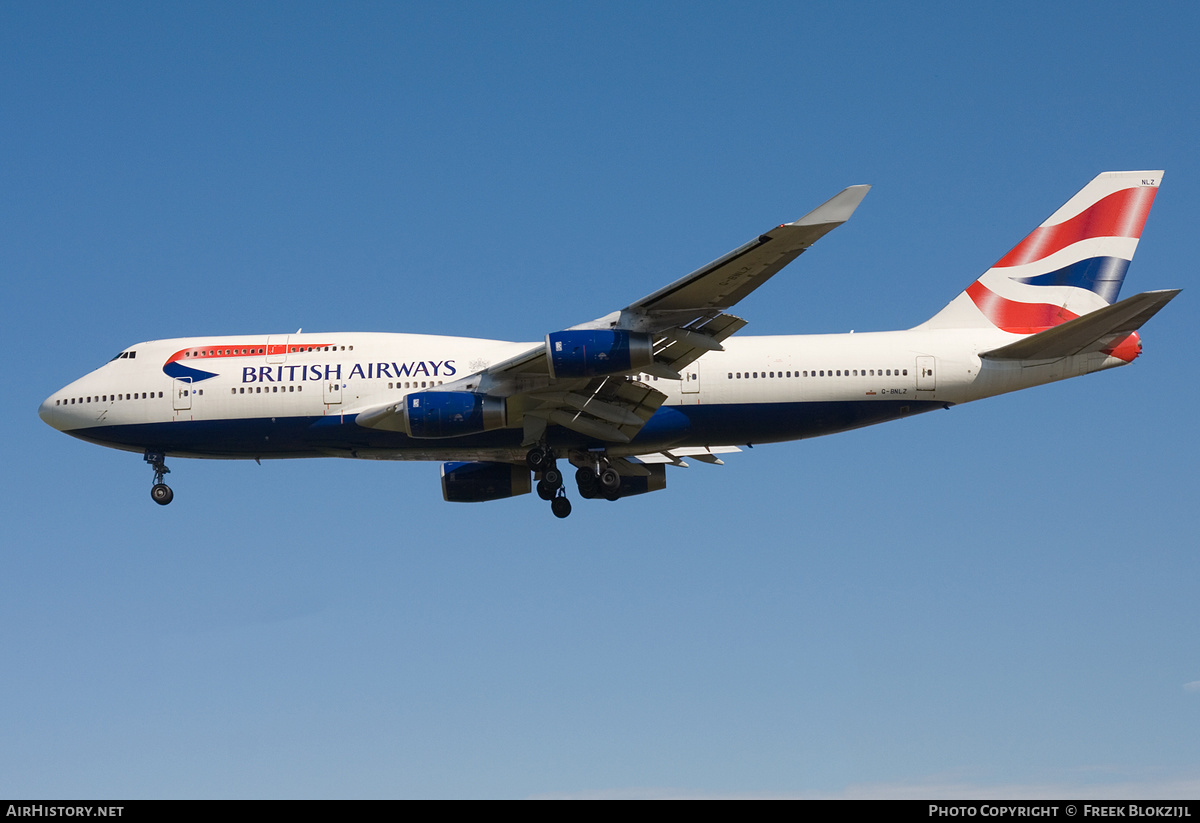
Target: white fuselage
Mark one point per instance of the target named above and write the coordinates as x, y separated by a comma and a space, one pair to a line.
264, 396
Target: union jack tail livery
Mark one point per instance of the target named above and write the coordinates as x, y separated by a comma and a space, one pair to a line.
1071, 265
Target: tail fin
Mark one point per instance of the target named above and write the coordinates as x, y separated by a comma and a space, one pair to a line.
1072, 264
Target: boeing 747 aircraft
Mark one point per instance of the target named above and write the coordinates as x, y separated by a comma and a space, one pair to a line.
623, 397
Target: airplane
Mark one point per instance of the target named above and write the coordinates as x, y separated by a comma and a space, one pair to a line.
625, 396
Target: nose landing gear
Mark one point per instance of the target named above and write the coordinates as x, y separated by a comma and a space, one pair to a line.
160, 492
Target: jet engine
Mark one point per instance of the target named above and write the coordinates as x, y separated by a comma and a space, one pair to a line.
477, 482
438, 414
655, 481
596, 353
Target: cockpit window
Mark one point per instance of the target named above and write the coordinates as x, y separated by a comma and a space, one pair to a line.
125, 355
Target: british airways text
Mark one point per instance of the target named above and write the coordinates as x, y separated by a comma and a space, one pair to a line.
364, 371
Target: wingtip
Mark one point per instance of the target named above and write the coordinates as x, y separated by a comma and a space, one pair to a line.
836, 209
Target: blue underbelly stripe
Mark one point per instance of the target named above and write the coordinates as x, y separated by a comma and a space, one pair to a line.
732, 424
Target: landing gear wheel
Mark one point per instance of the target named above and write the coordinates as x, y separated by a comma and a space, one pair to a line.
610, 481
545, 491
561, 507
552, 477
588, 484
537, 458
160, 492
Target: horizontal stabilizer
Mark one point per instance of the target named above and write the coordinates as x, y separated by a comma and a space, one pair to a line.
1091, 332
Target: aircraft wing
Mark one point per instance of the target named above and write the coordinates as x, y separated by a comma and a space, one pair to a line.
728, 279
578, 377
688, 315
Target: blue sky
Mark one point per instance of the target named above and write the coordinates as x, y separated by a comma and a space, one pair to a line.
998, 600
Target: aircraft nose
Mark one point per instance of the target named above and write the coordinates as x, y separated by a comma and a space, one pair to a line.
50, 414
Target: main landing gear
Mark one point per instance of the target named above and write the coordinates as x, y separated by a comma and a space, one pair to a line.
160, 492
602, 480
550, 487
599, 479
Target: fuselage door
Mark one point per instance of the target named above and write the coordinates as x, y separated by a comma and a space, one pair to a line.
691, 378
333, 391
181, 396
277, 345
926, 379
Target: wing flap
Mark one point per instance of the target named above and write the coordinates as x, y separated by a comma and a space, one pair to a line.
608, 408
705, 454
674, 350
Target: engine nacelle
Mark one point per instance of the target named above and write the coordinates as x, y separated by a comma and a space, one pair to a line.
477, 482
593, 353
437, 414
656, 481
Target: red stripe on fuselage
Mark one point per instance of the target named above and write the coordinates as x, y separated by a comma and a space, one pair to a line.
1120, 214
257, 350
1014, 317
